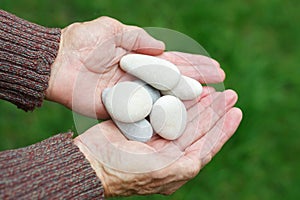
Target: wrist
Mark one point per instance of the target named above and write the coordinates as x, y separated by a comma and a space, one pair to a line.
96, 166
56, 90
51, 92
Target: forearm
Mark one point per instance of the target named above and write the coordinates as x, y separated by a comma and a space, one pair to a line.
51, 169
27, 52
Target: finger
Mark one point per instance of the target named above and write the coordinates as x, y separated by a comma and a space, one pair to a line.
203, 74
181, 58
195, 109
158, 142
215, 104
198, 67
207, 147
202, 118
207, 90
138, 40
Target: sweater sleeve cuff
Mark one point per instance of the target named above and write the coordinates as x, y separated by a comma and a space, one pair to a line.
27, 52
53, 169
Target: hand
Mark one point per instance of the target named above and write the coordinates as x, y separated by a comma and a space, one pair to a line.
161, 166
88, 62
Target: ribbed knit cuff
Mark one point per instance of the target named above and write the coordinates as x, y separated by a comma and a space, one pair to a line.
27, 51
52, 169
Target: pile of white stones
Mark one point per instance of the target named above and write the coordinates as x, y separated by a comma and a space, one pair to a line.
156, 96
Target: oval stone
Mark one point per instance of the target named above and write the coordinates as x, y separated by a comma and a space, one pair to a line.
154, 93
168, 117
127, 102
186, 89
138, 131
159, 73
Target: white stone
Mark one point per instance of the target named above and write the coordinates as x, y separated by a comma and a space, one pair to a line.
154, 93
138, 131
168, 117
127, 102
186, 89
159, 73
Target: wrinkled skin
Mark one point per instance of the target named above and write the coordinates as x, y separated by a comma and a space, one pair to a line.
212, 121
88, 62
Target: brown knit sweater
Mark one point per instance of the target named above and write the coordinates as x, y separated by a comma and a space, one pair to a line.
54, 168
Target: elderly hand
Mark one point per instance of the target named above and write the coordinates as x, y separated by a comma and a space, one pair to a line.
88, 62
161, 166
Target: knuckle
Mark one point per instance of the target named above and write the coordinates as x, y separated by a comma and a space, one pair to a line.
108, 20
168, 192
192, 171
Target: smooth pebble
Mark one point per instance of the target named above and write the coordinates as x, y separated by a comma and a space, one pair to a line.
159, 73
138, 131
154, 93
127, 102
168, 117
186, 89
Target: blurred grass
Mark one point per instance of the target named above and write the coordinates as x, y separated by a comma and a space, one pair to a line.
257, 43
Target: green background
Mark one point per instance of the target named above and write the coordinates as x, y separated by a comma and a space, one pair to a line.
256, 43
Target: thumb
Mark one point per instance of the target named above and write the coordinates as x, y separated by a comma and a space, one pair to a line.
138, 40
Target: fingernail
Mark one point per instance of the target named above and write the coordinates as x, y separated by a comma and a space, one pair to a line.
231, 97
214, 62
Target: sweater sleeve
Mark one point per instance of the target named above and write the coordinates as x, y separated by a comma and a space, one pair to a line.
52, 169
27, 51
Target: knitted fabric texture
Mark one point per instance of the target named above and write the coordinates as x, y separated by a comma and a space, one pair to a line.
51, 169
27, 51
